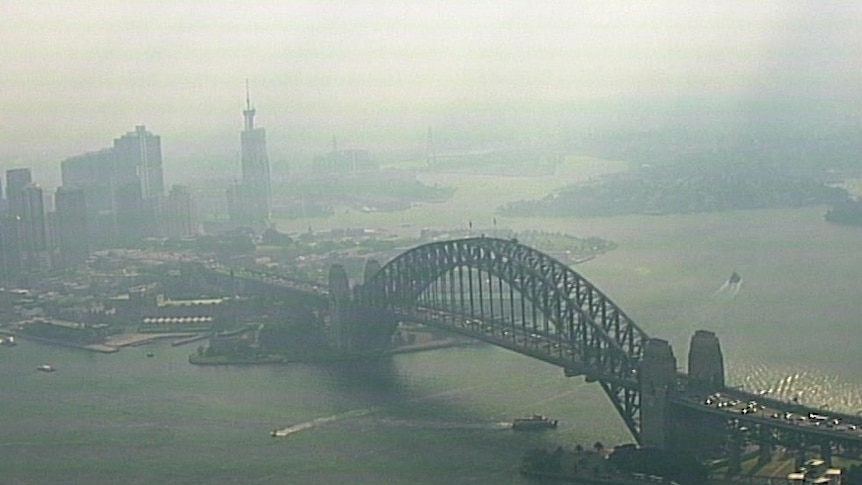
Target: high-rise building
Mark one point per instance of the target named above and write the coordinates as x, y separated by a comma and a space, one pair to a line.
133, 215
255, 168
92, 172
16, 180
123, 186
2, 201
71, 226
10, 249
34, 229
139, 160
33, 218
179, 218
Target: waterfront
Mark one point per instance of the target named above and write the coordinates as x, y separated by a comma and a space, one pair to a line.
419, 418
435, 417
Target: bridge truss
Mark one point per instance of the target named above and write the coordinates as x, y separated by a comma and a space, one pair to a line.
519, 298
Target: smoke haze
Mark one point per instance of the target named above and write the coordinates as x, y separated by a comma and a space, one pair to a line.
75, 74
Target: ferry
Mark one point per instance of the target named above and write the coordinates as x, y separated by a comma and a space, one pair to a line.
46, 368
534, 422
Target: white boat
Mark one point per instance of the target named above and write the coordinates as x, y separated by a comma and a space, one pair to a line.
46, 368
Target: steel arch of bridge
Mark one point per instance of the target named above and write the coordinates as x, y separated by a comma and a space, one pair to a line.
576, 326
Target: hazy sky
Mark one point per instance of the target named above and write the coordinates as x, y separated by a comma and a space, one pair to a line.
75, 74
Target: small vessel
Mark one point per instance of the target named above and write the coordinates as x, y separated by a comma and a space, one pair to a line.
734, 278
534, 422
279, 433
46, 368
149, 354
8, 341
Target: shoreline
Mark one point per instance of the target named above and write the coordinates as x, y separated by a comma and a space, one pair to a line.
281, 359
111, 346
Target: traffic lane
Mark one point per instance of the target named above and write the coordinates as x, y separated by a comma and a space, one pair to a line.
754, 411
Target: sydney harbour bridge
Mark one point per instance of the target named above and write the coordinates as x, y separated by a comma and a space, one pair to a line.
510, 295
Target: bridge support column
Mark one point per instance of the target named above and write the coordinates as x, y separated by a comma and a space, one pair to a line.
356, 327
764, 449
705, 361
799, 458
734, 451
657, 381
826, 453
340, 331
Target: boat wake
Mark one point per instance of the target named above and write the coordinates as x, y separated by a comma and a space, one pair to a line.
730, 287
296, 428
436, 424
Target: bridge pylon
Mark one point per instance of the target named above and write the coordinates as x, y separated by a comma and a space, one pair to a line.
340, 330
705, 362
657, 383
356, 327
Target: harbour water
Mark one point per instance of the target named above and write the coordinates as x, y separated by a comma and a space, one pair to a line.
439, 417
427, 418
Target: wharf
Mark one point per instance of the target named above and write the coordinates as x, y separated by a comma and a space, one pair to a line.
328, 357
105, 349
188, 340
113, 343
135, 339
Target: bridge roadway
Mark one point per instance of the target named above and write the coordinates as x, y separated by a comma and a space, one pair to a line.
750, 409
310, 288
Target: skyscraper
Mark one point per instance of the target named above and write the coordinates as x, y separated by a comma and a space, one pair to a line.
123, 187
16, 180
33, 218
71, 225
2, 201
255, 168
139, 161
179, 218
10, 249
34, 228
94, 173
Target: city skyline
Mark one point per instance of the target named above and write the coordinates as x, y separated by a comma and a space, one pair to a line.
449, 221
377, 75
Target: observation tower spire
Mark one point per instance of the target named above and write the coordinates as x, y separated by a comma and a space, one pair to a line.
248, 113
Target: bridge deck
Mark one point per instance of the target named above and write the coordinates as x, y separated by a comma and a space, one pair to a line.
775, 414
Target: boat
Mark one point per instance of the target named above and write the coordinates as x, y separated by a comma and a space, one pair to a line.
46, 368
534, 422
8, 341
